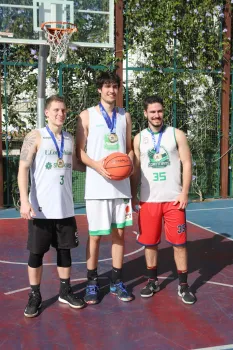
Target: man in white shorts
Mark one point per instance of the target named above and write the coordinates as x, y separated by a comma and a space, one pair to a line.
105, 129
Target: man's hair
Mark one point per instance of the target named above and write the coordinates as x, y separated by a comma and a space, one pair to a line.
152, 99
54, 98
107, 78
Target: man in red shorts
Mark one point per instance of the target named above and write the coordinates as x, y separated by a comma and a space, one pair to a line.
159, 152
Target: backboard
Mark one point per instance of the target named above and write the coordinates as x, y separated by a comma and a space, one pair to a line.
23, 18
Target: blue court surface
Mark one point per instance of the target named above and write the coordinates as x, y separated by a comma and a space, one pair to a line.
12, 213
216, 216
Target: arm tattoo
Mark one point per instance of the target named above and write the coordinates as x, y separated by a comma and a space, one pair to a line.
26, 152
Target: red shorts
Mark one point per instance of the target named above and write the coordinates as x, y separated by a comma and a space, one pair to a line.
150, 223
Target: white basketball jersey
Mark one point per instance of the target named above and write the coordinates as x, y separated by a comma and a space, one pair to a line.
99, 146
51, 187
160, 172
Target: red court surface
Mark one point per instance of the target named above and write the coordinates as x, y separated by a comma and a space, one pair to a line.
162, 322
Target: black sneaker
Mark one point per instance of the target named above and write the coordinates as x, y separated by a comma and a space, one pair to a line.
92, 294
186, 295
67, 296
150, 288
121, 291
33, 305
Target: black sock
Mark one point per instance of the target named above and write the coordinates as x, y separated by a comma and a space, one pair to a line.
116, 275
151, 273
183, 277
92, 275
64, 283
35, 287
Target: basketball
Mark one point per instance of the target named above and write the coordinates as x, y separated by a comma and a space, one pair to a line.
118, 165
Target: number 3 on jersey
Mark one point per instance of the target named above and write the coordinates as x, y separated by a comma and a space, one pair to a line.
61, 179
159, 176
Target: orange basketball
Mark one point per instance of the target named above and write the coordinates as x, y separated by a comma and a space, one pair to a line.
118, 165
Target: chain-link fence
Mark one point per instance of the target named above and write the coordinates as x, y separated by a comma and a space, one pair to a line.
19, 113
192, 104
192, 99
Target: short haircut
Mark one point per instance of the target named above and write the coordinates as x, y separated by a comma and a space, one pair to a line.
152, 99
107, 78
54, 98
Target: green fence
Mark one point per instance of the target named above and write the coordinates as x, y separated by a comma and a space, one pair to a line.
192, 101
19, 112
11, 193
180, 60
192, 104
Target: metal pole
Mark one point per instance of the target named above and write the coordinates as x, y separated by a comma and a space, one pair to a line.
174, 110
1, 156
231, 139
119, 46
127, 69
41, 84
6, 137
60, 79
226, 104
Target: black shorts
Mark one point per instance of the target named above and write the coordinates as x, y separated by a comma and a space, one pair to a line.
59, 233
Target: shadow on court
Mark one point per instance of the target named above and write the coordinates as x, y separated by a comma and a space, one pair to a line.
207, 258
162, 322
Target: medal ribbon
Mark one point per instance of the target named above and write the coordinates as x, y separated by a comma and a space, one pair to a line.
156, 145
111, 123
59, 151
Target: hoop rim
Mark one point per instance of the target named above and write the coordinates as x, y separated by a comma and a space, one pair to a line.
52, 29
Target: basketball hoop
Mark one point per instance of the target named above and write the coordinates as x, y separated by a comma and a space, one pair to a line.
58, 35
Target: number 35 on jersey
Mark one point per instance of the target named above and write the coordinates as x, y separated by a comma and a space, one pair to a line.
159, 176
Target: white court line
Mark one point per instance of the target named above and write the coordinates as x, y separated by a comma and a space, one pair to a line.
207, 229
75, 262
209, 209
17, 291
22, 289
10, 218
219, 284
221, 347
73, 280
19, 217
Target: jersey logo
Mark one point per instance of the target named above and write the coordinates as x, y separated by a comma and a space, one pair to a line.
158, 160
48, 166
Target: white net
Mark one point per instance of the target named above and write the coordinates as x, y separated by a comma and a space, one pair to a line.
58, 38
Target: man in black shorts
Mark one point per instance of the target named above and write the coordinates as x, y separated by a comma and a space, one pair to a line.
49, 155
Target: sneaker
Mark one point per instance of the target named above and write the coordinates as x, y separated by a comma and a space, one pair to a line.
150, 288
68, 297
33, 305
186, 295
120, 290
92, 294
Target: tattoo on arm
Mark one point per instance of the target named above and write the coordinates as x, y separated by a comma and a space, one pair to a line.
27, 152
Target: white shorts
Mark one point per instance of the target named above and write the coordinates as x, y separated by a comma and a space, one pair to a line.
105, 214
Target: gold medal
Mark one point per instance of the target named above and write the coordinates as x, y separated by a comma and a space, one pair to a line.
112, 138
60, 163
